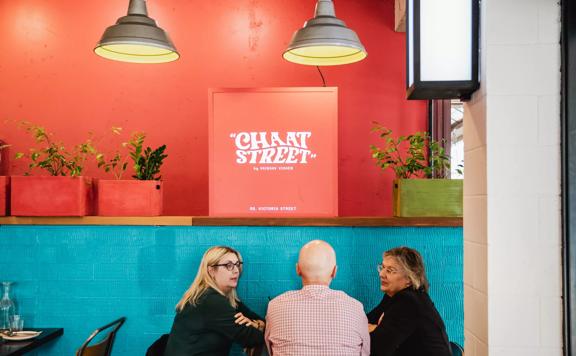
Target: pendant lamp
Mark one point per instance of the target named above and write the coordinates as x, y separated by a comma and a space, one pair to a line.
136, 38
325, 40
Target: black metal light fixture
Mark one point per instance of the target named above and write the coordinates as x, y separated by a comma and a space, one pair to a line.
136, 38
442, 49
325, 40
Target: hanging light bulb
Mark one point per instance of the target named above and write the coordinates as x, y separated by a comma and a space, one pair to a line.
325, 40
136, 38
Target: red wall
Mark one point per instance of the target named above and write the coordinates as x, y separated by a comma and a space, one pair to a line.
50, 76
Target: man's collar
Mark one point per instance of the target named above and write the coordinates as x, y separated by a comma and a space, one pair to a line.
315, 287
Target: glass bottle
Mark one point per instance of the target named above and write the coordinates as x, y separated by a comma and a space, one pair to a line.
7, 307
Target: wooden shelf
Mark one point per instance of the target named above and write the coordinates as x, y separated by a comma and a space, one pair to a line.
213, 221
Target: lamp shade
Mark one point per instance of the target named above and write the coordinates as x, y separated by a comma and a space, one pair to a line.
442, 49
325, 40
136, 38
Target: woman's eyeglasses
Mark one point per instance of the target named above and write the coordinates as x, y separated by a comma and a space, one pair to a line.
229, 265
388, 270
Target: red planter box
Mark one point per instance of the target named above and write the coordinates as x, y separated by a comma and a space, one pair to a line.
128, 197
4, 194
51, 196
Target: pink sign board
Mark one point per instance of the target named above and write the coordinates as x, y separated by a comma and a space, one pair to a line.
274, 152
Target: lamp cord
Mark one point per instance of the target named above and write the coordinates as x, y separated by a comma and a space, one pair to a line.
321, 75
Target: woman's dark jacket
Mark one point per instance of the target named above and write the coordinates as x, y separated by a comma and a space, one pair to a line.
411, 326
209, 329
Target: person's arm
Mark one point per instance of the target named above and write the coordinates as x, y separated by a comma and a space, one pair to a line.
267, 337
363, 331
242, 308
374, 314
396, 326
269, 327
245, 316
219, 317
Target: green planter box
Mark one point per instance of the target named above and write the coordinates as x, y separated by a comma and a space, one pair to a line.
428, 197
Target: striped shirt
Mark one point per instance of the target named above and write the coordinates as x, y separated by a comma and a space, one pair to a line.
316, 321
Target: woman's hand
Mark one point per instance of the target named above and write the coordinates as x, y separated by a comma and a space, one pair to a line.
380, 319
242, 320
371, 327
260, 324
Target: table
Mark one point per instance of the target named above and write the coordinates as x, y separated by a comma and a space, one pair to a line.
15, 348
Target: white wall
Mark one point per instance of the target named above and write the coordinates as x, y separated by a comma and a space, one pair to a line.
512, 236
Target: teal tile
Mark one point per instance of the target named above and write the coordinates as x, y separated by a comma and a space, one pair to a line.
86, 276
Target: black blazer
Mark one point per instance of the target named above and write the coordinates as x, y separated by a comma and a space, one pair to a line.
209, 329
411, 326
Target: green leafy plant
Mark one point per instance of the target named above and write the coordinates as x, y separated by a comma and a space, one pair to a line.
460, 168
411, 156
52, 156
118, 164
146, 162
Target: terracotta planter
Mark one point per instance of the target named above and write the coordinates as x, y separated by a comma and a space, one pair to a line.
128, 197
4, 195
51, 196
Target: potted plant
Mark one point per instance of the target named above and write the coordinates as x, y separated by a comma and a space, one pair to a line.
141, 196
4, 179
63, 191
421, 187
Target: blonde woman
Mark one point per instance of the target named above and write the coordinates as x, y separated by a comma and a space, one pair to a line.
210, 317
406, 322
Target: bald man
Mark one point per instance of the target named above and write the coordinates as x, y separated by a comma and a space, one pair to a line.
316, 320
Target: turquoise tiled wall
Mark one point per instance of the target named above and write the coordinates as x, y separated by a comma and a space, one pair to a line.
81, 277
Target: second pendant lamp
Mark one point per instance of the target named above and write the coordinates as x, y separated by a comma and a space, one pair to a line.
136, 38
325, 40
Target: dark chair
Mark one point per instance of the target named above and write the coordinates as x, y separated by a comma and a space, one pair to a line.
457, 350
158, 347
104, 346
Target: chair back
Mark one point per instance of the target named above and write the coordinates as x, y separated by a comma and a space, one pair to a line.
103, 347
457, 350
